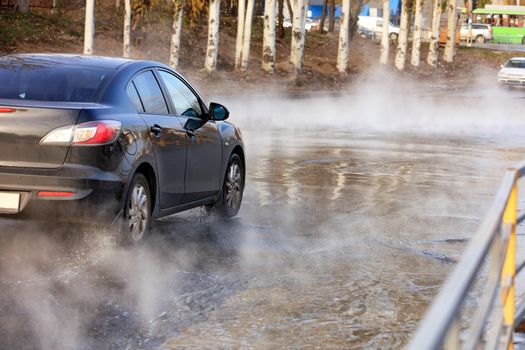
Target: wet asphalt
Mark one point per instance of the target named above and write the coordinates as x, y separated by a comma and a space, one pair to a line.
346, 233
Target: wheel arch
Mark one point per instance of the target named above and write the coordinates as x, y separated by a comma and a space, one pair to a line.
146, 169
240, 152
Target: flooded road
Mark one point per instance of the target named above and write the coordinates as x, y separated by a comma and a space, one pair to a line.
349, 226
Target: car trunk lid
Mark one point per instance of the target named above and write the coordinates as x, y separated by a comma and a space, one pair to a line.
23, 126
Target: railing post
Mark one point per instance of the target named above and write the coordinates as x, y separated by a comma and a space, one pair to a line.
452, 338
509, 266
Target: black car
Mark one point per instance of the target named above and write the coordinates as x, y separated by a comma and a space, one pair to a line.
111, 139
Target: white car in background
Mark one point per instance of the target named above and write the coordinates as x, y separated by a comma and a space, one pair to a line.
481, 32
287, 23
375, 25
513, 72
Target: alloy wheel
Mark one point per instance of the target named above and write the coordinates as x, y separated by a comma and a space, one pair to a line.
234, 183
138, 212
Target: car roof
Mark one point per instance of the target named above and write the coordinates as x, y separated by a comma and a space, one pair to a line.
517, 59
67, 59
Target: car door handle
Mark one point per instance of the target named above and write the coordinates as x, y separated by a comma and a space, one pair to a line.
156, 129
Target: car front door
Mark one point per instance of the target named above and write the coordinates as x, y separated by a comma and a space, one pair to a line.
167, 135
204, 143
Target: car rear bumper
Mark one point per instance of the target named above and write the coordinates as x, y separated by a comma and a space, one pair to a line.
90, 194
512, 81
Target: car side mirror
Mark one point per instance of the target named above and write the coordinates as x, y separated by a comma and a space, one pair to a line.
218, 112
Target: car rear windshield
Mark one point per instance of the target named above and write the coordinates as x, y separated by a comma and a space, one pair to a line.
43, 82
516, 64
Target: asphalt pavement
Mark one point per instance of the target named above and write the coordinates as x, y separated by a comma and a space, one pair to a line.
355, 212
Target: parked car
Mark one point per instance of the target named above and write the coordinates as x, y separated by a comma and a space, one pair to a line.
366, 33
481, 33
375, 25
308, 25
98, 138
316, 24
512, 73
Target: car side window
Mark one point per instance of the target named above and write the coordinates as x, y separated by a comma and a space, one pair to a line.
184, 100
150, 94
134, 97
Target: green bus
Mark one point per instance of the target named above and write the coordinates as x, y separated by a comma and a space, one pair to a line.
508, 22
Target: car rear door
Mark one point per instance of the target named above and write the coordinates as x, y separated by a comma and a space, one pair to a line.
166, 134
204, 153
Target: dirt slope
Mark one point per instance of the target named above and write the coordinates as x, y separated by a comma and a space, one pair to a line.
42, 31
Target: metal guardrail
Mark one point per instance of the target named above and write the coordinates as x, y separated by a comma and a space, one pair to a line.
493, 244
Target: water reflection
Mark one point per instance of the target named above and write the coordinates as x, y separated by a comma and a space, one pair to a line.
355, 263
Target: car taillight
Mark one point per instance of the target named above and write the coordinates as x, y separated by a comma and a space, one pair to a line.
92, 133
96, 133
7, 110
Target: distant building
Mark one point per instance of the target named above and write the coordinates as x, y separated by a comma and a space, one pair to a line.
374, 8
315, 9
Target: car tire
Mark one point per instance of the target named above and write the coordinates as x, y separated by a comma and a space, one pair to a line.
480, 39
230, 199
393, 36
137, 212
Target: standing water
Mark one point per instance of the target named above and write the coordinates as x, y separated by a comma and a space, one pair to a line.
355, 212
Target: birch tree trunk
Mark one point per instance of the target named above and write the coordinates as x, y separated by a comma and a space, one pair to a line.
469, 21
344, 30
268, 55
299, 19
22, 6
450, 46
433, 49
385, 38
127, 28
331, 18
415, 58
290, 9
281, 17
401, 53
323, 16
247, 35
210, 63
241, 13
175, 35
89, 27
